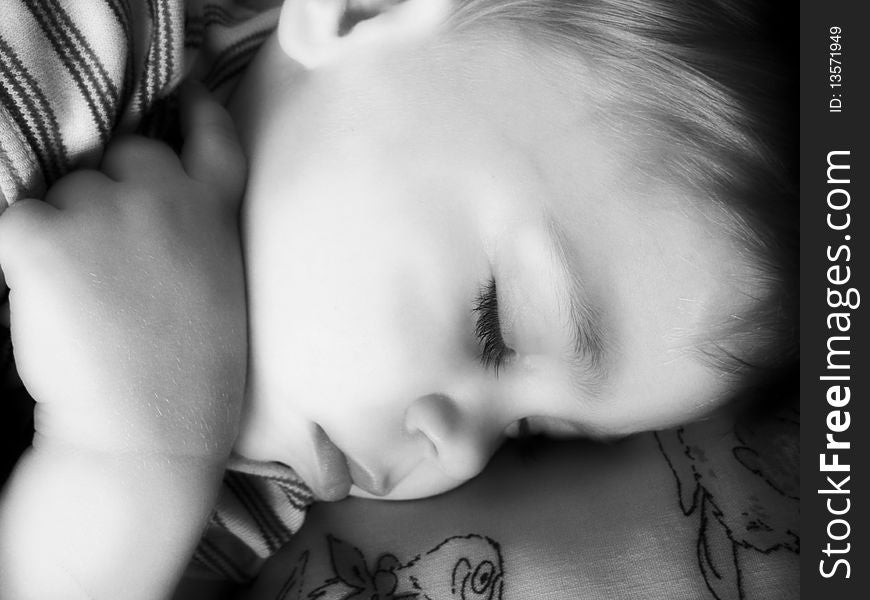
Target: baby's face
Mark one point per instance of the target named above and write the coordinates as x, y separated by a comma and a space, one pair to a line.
441, 244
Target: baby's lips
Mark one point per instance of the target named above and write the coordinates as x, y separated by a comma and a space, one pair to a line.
332, 479
368, 480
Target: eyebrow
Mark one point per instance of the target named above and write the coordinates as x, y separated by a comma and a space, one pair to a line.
589, 348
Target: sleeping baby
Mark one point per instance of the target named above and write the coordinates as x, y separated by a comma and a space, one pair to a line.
463, 220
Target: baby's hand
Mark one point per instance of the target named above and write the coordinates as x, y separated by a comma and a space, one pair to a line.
129, 330
127, 296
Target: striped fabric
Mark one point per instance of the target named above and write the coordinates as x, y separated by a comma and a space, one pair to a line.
72, 72
261, 506
75, 72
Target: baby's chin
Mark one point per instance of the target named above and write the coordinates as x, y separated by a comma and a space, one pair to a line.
422, 483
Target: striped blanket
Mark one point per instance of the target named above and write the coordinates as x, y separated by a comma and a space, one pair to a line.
73, 73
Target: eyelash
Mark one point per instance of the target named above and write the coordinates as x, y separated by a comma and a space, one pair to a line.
494, 352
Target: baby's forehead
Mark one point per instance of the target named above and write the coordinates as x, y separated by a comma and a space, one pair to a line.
660, 246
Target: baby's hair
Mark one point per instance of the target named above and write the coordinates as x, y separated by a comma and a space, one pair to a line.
703, 92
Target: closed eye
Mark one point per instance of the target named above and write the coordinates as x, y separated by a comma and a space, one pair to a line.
494, 352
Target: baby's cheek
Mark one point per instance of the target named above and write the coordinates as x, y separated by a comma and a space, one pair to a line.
267, 429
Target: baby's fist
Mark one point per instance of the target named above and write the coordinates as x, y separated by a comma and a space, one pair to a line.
127, 295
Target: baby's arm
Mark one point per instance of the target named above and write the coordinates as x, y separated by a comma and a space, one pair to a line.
129, 329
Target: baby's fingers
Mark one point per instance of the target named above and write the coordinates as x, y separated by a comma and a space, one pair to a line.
212, 153
24, 236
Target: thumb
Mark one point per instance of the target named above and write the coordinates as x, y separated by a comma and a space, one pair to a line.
211, 153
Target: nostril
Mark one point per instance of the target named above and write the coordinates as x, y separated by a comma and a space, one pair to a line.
435, 416
420, 440
459, 440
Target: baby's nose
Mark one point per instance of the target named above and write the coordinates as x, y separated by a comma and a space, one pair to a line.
463, 443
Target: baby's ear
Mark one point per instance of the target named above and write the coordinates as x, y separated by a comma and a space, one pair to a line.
316, 32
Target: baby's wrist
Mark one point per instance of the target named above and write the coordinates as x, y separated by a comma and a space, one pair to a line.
187, 430
149, 511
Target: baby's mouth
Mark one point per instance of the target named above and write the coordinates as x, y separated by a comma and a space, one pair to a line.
368, 480
336, 472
